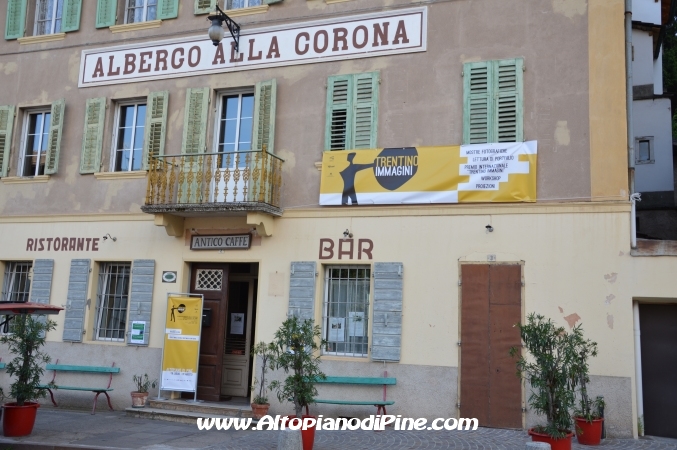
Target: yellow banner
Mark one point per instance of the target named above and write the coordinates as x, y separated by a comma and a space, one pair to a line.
409, 175
182, 344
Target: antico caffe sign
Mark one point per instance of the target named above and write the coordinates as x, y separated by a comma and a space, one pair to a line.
363, 36
221, 242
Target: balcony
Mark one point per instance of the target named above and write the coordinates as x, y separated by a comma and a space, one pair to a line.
209, 184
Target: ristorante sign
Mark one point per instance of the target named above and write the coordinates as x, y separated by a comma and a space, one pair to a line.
362, 36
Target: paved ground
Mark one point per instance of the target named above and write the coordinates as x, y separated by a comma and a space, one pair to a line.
113, 430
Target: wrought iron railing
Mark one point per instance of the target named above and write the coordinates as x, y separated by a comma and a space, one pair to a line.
237, 177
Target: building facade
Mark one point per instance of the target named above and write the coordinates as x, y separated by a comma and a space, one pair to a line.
139, 160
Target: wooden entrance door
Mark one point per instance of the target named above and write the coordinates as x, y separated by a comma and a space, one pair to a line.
211, 280
491, 303
658, 325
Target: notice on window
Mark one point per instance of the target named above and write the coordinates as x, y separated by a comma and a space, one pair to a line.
237, 323
356, 324
138, 331
337, 329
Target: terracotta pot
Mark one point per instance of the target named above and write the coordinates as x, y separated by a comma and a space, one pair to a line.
19, 420
260, 410
555, 444
307, 436
589, 433
139, 399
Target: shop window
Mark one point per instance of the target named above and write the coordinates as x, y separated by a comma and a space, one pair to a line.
35, 143
352, 111
129, 135
16, 286
48, 15
235, 119
112, 301
492, 99
235, 4
346, 310
644, 150
140, 11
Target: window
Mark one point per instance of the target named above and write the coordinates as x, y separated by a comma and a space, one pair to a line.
235, 4
346, 310
112, 300
141, 11
235, 126
36, 138
128, 152
16, 287
352, 111
48, 15
492, 101
644, 151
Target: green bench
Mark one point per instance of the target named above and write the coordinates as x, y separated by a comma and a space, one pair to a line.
81, 369
363, 381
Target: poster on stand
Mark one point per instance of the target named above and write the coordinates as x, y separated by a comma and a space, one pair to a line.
181, 344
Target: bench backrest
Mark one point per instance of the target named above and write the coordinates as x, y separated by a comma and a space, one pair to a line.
359, 380
90, 369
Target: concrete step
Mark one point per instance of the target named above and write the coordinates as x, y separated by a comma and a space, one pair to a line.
216, 409
175, 415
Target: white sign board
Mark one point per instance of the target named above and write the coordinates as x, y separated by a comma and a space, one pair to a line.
362, 36
221, 242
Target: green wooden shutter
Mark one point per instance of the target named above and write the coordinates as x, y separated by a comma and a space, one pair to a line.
195, 121
92, 140
508, 122
156, 120
302, 290
76, 300
16, 19
477, 104
365, 110
54, 142
386, 333
339, 112
106, 12
205, 6
6, 123
167, 9
141, 298
264, 115
70, 18
41, 284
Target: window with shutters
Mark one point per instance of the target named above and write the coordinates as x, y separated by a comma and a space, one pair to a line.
112, 301
48, 15
141, 11
16, 287
35, 143
352, 111
345, 316
493, 101
129, 137
235, 126
235, 4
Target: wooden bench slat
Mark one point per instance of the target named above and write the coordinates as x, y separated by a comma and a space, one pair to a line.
74, 388
350, 402
359, 380
93, 369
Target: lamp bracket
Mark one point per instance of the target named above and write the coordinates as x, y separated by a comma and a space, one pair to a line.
233, 27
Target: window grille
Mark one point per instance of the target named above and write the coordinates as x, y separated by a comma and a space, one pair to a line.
209, 280
112, 301
346, 310
17, 286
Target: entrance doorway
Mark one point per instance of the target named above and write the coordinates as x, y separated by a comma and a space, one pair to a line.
228, 323
658, 325
491, 303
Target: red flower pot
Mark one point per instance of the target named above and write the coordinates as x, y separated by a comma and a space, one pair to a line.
307, 436
589, 433
18, 420
555, 444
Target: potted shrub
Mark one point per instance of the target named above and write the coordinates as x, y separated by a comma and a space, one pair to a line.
260, 403
297, 344
588, 414
143, 383
551, 371
25, 341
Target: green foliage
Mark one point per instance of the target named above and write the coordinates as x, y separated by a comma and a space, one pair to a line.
297, 345
640, 425
25, 341
554, 372
143, 383
587, 409
267, 353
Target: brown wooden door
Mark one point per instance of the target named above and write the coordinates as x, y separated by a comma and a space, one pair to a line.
491, 303
658, 324
211, 280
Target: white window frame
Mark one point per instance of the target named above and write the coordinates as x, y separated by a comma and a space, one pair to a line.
217, 121
116, 124
229, 4
325, 310
102, 286
53, 19
652, 154
8, 286
24, 140
145, 11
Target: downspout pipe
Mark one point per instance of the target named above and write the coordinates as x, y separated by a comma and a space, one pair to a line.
638, 366
628, 108
634, 198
